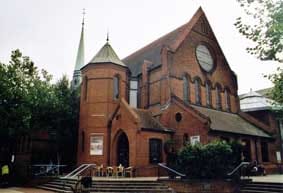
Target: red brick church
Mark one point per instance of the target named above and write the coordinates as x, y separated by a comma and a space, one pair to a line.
178, 87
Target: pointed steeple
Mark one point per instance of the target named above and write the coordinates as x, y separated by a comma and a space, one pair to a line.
80, 58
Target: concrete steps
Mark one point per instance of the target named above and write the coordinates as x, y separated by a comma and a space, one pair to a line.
262, 187
117, 186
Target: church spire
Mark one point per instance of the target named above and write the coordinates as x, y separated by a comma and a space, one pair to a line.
80, 58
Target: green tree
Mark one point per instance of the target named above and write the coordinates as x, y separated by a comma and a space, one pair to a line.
264, 27
65, 119
277, 91
213, 160
20, 83
30, 102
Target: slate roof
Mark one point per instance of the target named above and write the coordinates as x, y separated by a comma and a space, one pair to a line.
152, 51
149, 123
254, 101
106, 55
230, 122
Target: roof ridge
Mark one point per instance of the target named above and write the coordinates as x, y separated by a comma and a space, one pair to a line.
156, 41
152, 51
255, 122
189, 106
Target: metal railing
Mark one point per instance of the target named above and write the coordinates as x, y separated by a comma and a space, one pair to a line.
171, 172
238, 170
79, 170
46, 169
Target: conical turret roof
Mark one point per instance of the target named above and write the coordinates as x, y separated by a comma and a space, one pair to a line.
106, 55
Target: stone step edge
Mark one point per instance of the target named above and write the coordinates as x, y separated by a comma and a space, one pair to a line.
54, 189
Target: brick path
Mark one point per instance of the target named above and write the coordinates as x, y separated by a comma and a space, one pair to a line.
23, 190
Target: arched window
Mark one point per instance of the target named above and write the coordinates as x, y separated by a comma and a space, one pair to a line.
208, 93
197, 91
186, 88
218, 96
116, 90
85, 87
227, 100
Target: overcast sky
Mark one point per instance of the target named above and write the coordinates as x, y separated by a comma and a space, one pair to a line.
48, 31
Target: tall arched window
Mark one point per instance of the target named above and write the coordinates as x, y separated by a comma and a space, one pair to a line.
133, 97
197, 91
227, 99
85, 87
208, 93
218, 96
186, 88
116, 91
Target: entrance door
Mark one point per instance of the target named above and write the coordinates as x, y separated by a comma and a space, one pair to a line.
246, 150
123, 150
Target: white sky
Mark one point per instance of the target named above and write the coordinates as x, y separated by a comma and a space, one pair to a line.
48, 31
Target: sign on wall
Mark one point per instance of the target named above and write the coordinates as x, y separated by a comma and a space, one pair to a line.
195, 139
96, 145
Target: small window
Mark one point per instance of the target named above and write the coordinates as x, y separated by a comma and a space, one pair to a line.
264, 151
85, 87
116, 87
178, 117
155, 151
208, 93
197, 91
204, 27
83, 141
186, 89
218, 97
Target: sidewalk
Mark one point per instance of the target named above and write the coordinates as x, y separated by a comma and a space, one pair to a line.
277, 178
23, 190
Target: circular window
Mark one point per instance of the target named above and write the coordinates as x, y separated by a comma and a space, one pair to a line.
204, 58
178, 117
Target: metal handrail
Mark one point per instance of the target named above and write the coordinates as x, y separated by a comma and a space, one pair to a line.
78, 170
238, 167
72, 172
171, 170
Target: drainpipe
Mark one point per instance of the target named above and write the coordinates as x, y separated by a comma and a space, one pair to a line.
109, 125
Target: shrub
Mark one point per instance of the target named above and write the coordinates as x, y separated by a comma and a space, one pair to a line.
212, 160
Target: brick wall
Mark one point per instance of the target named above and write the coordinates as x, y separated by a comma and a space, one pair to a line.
203, 186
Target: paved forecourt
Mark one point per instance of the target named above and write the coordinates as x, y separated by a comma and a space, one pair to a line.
276, 178
23, 190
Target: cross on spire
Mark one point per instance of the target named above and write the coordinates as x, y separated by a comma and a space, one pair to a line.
83, 16
107, 38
